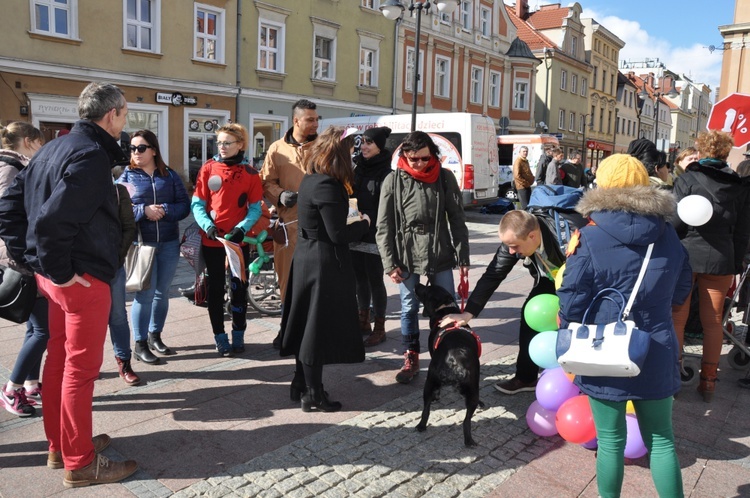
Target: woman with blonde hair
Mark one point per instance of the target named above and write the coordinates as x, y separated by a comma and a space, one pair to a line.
716, 248
320, 325
227, 203
687, 156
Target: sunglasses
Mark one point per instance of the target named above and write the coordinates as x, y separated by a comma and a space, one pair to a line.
424, 159
140, 148
225, 144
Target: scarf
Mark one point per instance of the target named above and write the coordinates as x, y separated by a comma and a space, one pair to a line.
231, 161
428, 175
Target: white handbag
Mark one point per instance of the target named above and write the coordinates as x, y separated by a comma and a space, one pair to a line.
139, 264
617, 349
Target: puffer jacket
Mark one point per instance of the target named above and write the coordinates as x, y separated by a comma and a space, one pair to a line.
169, 191
716, 248
8, 172
412, 214
610, 253
368, 182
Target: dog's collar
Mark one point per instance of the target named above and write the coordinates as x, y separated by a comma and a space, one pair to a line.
445, 331
447, 305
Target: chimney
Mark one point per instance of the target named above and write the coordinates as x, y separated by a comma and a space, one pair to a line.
522, 9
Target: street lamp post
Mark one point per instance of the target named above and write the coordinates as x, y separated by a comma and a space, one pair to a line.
392, 9
657, 95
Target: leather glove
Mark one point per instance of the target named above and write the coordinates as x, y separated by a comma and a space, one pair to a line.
236, 235
288, 198
211, 233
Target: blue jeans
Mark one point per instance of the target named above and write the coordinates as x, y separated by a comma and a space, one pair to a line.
410, 305
150, 306
119, 330
29, 358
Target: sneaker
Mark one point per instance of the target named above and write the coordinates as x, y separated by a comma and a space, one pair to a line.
101, 471
54, 458
35, 395
514, 386
410, 368
16, 403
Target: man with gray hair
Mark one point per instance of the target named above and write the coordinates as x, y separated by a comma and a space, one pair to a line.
60, 218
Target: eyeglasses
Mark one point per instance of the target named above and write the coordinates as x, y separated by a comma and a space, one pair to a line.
368, 141
424, 159
140, 148
226, 144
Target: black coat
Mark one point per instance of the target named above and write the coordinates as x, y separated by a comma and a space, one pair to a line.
320, 324
716, 248
368, 179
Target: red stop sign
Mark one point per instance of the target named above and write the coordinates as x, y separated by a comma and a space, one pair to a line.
732, 115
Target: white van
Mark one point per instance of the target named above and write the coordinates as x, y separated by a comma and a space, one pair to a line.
508, 147
467, 143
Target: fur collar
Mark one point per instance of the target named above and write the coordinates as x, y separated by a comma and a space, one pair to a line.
640, 200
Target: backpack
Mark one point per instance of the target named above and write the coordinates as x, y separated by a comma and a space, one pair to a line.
555, 204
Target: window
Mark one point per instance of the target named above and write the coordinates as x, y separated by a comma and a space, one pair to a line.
596, 75
466, 15
446, 18
582, 124
612, 84
601, 120
561, 120
270, 55
495, 79
442, 76
55, 17
323, 62
574, 47
572, 122
485, 21
563, 79
410, 70
604, 80
371, 4
584, 86
477, 82
208, 44
142, 23
609, 122
573, 84
367, 63
521, 94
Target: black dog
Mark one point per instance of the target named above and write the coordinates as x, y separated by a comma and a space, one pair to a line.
455, 356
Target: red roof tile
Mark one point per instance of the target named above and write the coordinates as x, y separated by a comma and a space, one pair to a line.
548, 17
534, 39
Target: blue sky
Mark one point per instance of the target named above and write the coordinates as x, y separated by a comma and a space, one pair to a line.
677, 33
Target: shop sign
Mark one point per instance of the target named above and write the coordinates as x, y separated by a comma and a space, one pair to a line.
594, 145
176, 99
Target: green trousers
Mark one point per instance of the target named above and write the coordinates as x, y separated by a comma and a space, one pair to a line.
655, 424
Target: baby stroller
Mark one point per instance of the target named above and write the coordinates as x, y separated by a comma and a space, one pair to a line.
739, 356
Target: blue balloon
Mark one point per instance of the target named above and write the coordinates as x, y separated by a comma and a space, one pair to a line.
542, 349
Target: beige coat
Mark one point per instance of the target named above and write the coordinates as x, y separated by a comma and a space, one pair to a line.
522, 175
283, 170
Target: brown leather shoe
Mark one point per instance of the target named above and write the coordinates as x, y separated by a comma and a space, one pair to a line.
101, 471
126, 372
54, 458
515, 385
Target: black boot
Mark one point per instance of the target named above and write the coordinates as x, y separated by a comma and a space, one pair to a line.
298, 386
317, 400
144, 354
154, 343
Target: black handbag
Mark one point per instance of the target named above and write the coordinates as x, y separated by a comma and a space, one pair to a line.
17, 295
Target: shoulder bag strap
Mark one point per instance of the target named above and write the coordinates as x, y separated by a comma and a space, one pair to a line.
646, 259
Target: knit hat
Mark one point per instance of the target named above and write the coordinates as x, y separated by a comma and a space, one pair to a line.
378, 135
621, 170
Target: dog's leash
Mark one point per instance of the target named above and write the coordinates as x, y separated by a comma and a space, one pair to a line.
463, 290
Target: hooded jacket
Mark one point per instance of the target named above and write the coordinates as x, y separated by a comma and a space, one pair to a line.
610, 252
10, 161
368, 181
716, 248
60, 217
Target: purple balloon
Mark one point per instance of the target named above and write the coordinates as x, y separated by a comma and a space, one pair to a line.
634, 445
554, 388
591, 445
540, 420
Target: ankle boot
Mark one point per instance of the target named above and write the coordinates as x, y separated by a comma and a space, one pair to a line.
364, 322
707, 385
378, 333
298, 386
317, 400
144, 354
238, 341
126, 372
222, 345
155, 344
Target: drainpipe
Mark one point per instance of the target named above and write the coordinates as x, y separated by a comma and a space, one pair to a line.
394, 81
238, 63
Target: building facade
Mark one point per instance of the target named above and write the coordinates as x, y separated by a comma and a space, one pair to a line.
736, 60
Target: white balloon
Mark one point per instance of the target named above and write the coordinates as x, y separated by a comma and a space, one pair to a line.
695, 210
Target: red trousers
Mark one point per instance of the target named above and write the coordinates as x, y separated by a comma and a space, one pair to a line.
78, 318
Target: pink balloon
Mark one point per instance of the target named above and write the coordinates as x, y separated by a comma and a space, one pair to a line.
574, 420
554, 388
540, 420
634, 445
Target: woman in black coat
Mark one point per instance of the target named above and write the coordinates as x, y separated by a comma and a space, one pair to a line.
716, 248
372, 166
319, 324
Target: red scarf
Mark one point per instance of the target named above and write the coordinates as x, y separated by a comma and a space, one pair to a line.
428, 175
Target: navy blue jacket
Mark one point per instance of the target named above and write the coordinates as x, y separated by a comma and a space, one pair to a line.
169, 191
610, 254
60, 215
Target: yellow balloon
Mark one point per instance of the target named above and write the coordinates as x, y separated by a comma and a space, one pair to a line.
559, 277
629, 407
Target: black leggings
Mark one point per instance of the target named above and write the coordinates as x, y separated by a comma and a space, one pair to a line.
368, 270
216, 267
